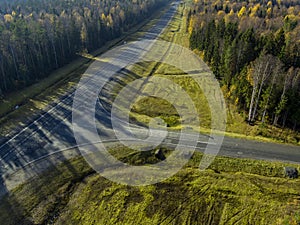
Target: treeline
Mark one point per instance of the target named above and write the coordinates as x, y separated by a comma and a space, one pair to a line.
254, 49
38, 36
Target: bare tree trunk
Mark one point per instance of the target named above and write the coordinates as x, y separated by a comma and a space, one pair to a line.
69, 44
15, 63
263, 79
55, 54
276, 118
252, 103
3, 76
33, 63
277, 114
264, 114
256, 102
286, 86
48, 56
254, 91
278, 70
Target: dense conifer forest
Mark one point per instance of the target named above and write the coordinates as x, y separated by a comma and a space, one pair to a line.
253, 47
39, 36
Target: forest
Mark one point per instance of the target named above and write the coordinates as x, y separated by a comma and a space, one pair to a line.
253, 48
39, 36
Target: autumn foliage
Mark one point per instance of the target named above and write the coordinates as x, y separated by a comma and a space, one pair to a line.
253, 47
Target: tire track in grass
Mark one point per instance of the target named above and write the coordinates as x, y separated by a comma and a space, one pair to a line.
177, 212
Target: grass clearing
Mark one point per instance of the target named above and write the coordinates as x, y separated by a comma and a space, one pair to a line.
231, 191
153, 107
177, 33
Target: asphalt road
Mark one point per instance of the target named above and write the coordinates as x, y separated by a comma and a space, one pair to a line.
53, 131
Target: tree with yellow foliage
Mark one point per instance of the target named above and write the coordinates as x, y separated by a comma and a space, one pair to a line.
242, 12
254, 10
8, 18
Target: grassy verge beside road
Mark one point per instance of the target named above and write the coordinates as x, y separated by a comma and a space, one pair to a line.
237, 127
231, 191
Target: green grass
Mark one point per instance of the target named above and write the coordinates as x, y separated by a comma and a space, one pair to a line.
231, 191
157, 107
145, 108
148, 107
236, 125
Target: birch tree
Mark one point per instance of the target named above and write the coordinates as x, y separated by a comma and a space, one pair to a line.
287, 84
277, 72
261, 70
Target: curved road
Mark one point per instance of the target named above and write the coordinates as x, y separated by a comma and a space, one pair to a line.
53, 131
